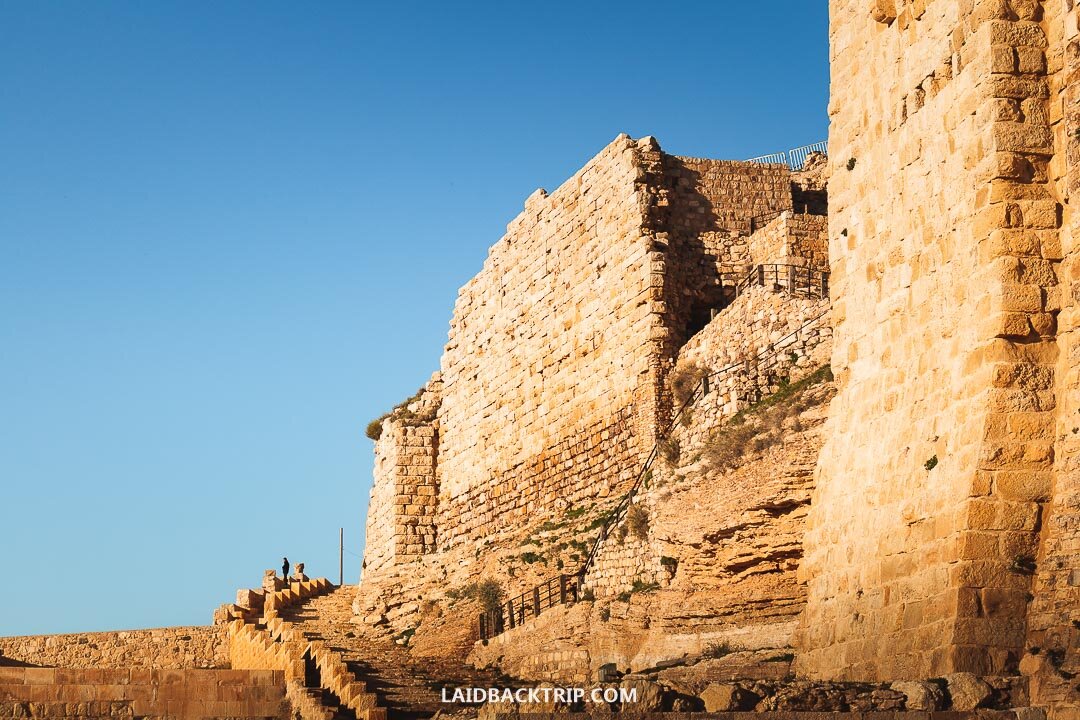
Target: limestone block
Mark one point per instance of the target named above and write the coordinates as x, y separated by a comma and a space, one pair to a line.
921, 695
967, 691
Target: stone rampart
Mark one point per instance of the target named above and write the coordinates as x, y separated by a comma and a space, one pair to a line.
401, 512
558, 348
943, 250
128, 693
795, 239
171, 647
1053, 622
769, 337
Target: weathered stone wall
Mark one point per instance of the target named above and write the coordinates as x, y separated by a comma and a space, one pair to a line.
401, 511
1054, 614
942, 252
563, 296
126, 693
558, 348
764, 337
795, 239
171, 647
701, 216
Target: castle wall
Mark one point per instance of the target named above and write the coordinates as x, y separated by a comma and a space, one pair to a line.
547, 367
124, 693
794, 239
940, 444
1054, 616
402, 507
558, 348
763, 330
171, 647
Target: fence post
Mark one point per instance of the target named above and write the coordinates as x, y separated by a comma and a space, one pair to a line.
562, 589
536, 601
483, 626
510, 612
824, 285
704, 386
761, 275
791, 279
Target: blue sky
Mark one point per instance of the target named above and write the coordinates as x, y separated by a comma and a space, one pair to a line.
232, 233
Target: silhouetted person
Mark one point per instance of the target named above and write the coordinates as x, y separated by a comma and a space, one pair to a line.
285, 569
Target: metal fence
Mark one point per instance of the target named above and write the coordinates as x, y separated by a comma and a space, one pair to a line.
794, 158
559, 590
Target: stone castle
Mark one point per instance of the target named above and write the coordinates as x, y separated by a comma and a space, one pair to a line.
771, 436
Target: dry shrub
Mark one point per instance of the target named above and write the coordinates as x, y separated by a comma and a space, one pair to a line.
669, 449
726, 447
684, 380
637, 521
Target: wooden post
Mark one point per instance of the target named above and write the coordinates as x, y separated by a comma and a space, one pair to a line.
536, 601
761, 275
824, 285
510, 612
704, 386
562, 589
483, 626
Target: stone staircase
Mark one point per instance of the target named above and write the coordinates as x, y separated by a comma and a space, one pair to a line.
407, 688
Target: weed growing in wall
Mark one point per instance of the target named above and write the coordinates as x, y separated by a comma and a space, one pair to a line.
761, 426
684, 380
669, 450
637, 521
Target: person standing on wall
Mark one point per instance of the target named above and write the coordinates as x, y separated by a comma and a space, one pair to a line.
285, 568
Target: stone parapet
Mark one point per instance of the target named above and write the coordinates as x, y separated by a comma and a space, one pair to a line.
172, 647
122, 693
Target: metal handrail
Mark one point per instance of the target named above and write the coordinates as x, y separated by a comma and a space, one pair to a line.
787, 278
795, 158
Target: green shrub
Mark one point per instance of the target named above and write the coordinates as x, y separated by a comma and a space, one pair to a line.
530, 557
487, 592
375, 427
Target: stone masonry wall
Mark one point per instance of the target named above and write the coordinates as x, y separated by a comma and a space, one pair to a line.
172, 647
748, 328
558, 348
703, 213
794, 239
940, 440
401, 511
760, 330
126, 693
1053, 623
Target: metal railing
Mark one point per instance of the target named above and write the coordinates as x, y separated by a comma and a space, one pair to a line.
794, 158
558, 590
786, 278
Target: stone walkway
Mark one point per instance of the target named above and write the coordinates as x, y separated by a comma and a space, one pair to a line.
409, 689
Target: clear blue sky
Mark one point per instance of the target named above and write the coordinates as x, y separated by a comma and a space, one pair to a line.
233, 233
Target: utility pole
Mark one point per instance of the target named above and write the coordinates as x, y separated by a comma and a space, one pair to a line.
341, 556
